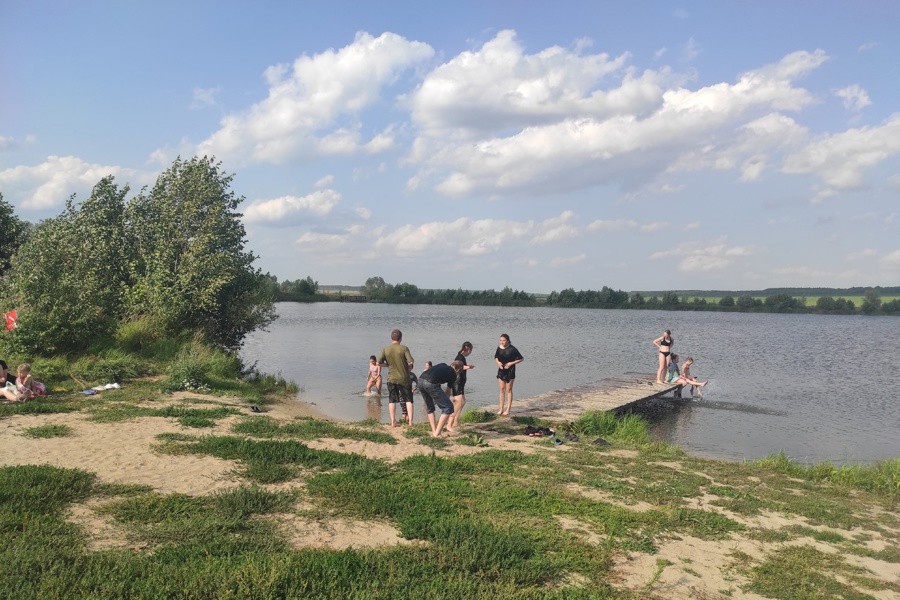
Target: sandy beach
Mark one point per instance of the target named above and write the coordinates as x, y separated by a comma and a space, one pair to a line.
125, 453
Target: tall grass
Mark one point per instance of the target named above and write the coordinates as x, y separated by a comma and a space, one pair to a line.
882, 478
630, 428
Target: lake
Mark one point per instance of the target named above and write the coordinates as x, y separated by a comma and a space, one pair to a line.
818, 387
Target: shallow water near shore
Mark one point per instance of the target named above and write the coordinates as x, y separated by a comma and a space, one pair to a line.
817, 387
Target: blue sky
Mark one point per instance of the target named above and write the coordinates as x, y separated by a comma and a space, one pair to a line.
638, 145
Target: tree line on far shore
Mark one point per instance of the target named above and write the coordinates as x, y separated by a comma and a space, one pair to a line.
377, 290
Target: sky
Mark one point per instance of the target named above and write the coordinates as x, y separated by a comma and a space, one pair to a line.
484, 144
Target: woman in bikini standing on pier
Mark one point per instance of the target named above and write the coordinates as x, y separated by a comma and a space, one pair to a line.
664, 343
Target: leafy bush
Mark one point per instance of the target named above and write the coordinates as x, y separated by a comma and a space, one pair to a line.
165, 263
630, 428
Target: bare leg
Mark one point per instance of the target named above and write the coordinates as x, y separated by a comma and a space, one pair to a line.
502, 395
409, 412
392, 409
458, 403
436, 431
431, 420
663, 363
509, 391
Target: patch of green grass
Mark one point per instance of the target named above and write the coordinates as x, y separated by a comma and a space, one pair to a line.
45, 406
264, 473
189, 417
48, 431
422, 434
830, 537
305, 428
804, 573
478, 416
41, 490
631, 429
218, 524
882, 478
195, 421
472, 439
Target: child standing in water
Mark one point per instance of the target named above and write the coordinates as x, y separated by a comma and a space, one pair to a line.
373, 377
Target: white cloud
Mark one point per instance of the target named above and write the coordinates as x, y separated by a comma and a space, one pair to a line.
855, 98
842, 158
204, 97
323, 243
867, 253
324, 182
363, 213
300, 117
653, 227
567, 261
556, 229
464, 236
499, 87
659, 53
49, 184
615, 225
8, 143
690, 51
278, 210
694, 225
698, 257
892, 259
574, 133
867, 46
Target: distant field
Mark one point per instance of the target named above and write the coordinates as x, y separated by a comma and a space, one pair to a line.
810, 300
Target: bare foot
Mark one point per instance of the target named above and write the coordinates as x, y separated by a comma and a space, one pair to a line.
395, 424
506, 414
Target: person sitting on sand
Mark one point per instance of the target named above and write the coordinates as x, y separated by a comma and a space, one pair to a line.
25, 385
5, 375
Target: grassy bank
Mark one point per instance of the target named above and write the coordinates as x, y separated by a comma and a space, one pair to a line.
487, 513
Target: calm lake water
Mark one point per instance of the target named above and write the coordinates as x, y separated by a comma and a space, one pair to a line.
817, 387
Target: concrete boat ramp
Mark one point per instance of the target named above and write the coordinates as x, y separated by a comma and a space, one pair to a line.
618, 393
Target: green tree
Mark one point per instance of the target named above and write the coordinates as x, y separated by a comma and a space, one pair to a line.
375, 288
783, 303
72, 274
826, 304
726, 302
670, 299
307, 286
191, 270
871, 303
746, 302
12, 234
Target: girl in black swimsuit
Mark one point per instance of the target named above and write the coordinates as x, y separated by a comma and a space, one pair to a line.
664, 343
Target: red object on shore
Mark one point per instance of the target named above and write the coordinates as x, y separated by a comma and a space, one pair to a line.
11, 320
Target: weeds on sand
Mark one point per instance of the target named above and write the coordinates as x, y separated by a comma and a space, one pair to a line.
48, 431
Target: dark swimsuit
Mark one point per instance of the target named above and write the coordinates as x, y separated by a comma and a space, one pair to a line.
663, 342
